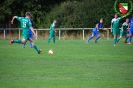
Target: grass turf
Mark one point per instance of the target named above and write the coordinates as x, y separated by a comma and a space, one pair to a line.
74, 64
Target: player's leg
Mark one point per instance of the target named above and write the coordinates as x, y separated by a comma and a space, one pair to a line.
23, 45
126, 37
121, 34
93, 34
19, 41
54, 38
98, 36
130, 36
115, 36
34, 46
115, 40
31, 37
50, 36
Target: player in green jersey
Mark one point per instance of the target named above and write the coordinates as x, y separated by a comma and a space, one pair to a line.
25, 26
52, 32
124, 30
115, 27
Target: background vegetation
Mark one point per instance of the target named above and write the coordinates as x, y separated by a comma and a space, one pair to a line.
68, 13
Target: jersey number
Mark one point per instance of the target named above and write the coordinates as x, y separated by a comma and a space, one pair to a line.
24, 24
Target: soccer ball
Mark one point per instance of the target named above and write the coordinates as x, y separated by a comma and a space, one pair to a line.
51, 51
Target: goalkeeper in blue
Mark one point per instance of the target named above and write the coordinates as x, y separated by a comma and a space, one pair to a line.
96, 32
52, 32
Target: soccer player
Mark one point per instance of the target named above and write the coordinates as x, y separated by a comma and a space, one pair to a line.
96, 32
115, 26
130, 30
124, 30
25, 25
30, 35
52, 32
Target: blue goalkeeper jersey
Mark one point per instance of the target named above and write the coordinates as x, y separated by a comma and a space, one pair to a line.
131, 23
99, 26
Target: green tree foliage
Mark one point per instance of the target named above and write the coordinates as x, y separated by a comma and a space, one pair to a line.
83, 13
68, 13
38, 8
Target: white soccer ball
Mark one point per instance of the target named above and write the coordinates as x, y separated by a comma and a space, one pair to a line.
51, 51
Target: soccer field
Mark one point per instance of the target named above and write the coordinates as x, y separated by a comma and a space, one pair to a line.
74, 64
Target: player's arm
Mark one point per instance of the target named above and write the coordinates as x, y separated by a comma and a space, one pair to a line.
111, 28
128, 27
122, 29
111, 25
97, 26
33, 31
125, 15
13, 19
53, 28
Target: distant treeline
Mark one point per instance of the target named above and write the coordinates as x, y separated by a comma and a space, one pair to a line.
68, 13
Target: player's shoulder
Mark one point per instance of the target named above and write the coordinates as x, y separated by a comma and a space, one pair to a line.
19, 17
52, 24
124, 24
113, 19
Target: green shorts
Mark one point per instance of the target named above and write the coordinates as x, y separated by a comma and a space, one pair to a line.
52, 35
25, 36
123, 33
116, 32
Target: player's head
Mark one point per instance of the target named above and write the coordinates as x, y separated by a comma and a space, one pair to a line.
28, 14
127, 20
54, 21
101, 20
115, 15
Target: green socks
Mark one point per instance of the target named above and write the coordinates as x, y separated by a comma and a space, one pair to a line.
54, 40
49, 40
35, 47
17, 41
115, 40
118, 39
126, 39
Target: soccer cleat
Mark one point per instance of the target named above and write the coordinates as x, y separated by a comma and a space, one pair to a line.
95, 41
126, 42
11, 41
23, 46
114, 44
129, 43
39, 52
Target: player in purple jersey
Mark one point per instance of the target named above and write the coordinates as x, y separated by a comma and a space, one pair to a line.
130, 29
96, 32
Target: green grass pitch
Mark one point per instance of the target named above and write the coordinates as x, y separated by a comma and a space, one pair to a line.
74, 64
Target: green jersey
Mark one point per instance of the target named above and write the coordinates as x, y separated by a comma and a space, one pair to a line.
115, 23
25, 25
51, 28
125, 26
